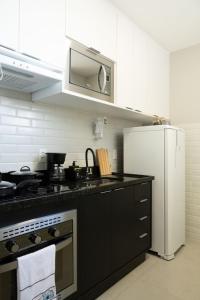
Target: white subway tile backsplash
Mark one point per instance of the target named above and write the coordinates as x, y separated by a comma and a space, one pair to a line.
48, 141
15, 139
8, 148
15, 121
15, 102
48, 124
7, 129
28, 149
30, 114
4, 110
192, 180
30, 131
27, 127
55, 133
17, 157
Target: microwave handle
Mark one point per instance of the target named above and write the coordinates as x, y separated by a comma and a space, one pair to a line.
13, 265
102, 88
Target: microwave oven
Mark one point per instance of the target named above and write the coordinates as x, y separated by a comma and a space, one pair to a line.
89, 73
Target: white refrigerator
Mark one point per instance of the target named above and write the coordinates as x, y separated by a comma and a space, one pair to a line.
160, 151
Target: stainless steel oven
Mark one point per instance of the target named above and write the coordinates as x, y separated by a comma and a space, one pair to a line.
89, 72
22, 238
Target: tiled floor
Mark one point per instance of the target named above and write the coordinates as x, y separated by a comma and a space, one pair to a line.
156, 279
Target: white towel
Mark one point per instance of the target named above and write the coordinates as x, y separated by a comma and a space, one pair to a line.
36, 275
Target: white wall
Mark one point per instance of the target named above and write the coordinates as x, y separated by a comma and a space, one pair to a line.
27, 127
185, 112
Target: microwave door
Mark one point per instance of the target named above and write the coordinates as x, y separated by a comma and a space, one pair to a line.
84, 71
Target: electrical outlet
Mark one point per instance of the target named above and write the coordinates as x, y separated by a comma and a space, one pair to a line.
42, 155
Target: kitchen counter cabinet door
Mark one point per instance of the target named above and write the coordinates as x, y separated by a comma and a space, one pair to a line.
123, 223
9, 23
42, 30
94, 24
94, 240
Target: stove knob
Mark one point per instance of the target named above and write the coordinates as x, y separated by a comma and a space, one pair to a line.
12, 246
35, 239
54, 232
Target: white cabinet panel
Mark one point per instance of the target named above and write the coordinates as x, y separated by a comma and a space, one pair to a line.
9, 23
157, 81
42, 29
92, 23
140, 76
142, 70
131, 65
125, 63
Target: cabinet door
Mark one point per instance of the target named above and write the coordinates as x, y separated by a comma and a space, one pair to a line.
9, 23
125, 63
122, 227
93, 23
93, 240
42, 30
139, 77
131, 65
157, 80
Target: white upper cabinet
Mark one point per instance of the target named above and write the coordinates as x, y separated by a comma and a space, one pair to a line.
157, 70
124, 89
42, 30
131, 64
94, 24
142, 70
139, 79
9, 23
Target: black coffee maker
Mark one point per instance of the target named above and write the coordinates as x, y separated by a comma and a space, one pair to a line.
55, 167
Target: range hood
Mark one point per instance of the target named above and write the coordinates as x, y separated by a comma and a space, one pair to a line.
20, 72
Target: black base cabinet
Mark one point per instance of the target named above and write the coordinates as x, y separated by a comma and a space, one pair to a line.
94, 241
114, 232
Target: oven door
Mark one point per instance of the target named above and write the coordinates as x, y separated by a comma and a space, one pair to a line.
66, 275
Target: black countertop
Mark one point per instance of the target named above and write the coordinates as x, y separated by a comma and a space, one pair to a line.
22, 208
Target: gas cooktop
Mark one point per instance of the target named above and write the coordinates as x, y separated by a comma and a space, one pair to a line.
48, 189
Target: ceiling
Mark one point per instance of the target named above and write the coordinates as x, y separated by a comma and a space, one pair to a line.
175, 24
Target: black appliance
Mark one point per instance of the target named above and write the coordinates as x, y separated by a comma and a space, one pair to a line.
55, 167
26, 237
75, 172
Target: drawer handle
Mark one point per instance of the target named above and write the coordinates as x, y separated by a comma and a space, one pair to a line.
142, 236
144, 200
119, 189
143, 218
105, 192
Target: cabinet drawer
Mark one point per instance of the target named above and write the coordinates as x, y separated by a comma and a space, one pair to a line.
143, 191
143, 208
142, 225
143, 242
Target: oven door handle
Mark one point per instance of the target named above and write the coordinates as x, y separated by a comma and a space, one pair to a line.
13, 265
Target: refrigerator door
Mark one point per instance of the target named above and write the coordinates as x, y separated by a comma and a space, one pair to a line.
144, 154
174, 191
